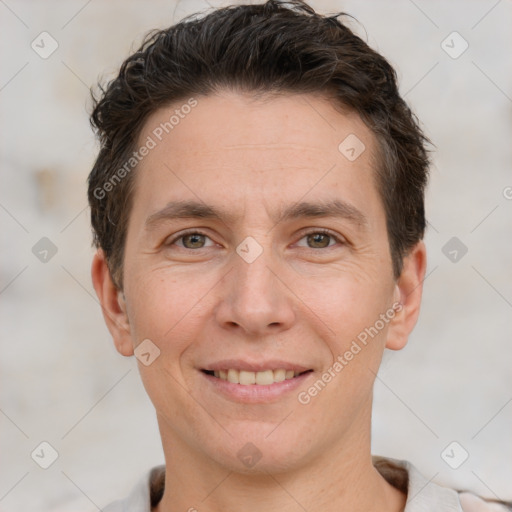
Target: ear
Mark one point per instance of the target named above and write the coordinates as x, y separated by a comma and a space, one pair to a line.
408, 291
112, 304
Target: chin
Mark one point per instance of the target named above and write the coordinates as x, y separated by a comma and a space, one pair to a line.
259, 455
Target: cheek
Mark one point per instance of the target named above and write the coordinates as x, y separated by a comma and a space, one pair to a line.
346, 301
351, 308
164, 307
169, 311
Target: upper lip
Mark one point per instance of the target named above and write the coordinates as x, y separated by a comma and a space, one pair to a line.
255, 366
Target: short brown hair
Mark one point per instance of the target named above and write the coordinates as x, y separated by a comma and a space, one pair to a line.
275, 47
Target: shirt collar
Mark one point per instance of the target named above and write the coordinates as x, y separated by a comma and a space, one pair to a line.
422, 494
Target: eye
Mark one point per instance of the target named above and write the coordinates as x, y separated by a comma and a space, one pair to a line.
318, 239
321, 239
190, 240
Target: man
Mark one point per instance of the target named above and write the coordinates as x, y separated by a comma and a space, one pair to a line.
258, 208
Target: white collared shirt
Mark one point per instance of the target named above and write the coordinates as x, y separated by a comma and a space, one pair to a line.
422, 495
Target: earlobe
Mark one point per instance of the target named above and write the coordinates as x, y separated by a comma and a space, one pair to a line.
113, 304
408, 292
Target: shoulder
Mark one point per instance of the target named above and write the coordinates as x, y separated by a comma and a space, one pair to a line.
145, 495
422, 494
472, 503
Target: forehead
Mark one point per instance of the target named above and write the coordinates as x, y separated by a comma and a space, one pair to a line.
240, 121
238, 148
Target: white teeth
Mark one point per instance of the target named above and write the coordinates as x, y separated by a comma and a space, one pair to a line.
279, 375
233, 376
246, 378
264, 378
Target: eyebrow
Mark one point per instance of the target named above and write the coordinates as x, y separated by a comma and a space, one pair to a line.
192, 209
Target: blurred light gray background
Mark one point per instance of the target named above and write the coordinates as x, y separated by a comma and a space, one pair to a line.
62, 381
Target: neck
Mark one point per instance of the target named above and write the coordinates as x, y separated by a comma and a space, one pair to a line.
341, 478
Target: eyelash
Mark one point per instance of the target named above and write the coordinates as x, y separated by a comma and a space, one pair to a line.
312, 232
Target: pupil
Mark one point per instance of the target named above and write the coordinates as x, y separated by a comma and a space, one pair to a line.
317, 238
194, 239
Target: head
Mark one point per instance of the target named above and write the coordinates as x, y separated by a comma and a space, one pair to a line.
258, 199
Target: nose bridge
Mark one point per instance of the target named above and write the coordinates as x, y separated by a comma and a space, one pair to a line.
254, 298
253, 276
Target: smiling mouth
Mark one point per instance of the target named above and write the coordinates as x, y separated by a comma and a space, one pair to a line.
263, 378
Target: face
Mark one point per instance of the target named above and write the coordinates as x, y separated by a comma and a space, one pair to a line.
257, 252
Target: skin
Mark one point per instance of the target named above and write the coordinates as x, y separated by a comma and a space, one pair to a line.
303, 300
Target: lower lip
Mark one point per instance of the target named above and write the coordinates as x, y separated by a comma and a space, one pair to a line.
255, 393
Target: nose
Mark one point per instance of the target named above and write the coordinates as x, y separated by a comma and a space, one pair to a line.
255, 297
